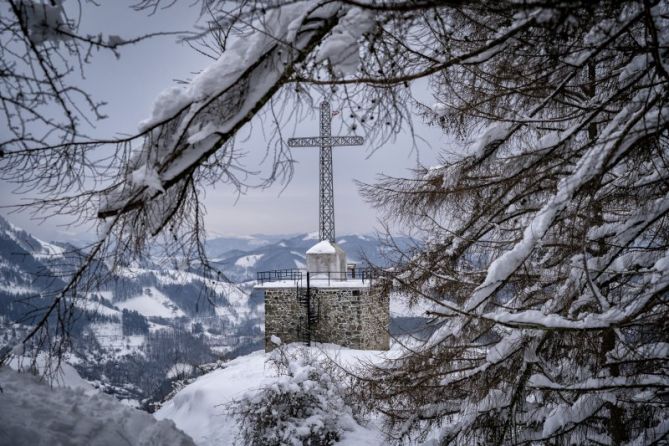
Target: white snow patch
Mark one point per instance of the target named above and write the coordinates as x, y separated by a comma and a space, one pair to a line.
280, 24
16, 289
63, 376
110, 335
439, 108
95, 307
45, 250
152, 303
248, 261
341, 47
49, 250
147, 176
199, 409
494, 133
34, 413
566, 414
322, 247
232, 293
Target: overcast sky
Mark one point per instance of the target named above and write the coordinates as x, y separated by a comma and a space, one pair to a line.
130, 85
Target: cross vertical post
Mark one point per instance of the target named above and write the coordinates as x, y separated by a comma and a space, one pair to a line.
326, 224
326, 217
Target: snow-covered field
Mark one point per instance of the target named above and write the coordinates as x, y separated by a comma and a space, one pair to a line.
111, 336
32, 413
74, 412
201, 408
152, 303
248, 261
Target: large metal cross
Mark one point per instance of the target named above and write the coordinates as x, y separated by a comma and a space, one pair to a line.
326, 220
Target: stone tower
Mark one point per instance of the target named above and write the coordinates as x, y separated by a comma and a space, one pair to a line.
325, 303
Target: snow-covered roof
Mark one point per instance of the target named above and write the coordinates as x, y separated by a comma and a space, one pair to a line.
322, 247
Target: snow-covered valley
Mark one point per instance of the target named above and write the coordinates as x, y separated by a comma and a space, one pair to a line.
130, 330
129, 334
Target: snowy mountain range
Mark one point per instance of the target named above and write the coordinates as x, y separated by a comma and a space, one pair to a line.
265, 253
128, 333
132, 331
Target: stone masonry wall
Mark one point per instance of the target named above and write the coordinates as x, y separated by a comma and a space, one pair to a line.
351, 317
284, 316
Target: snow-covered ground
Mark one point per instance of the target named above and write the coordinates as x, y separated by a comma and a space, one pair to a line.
41, 250
201, 408
96, 307
74, 412
248, 261
32, 413
63, 376
152, 303
111, 336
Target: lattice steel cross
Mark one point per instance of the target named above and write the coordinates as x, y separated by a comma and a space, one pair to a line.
326, 221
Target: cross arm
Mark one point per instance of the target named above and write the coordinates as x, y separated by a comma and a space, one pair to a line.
326, 141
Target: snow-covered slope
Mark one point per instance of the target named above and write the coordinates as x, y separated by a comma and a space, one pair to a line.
23, 261
151, 303
36, 247
131, 330
32, 413
201, 408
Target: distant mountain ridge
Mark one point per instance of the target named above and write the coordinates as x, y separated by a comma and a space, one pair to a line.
129, 333
218, 247
242, 263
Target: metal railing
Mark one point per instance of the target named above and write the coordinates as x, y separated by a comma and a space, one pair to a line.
279, 274
366, 275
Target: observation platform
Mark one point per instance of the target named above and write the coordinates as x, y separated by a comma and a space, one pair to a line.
292, 278
328, 301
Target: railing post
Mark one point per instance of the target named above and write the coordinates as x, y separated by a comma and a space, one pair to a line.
308, 311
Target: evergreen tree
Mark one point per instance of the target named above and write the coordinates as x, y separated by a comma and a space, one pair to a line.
133, 323
547, 233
